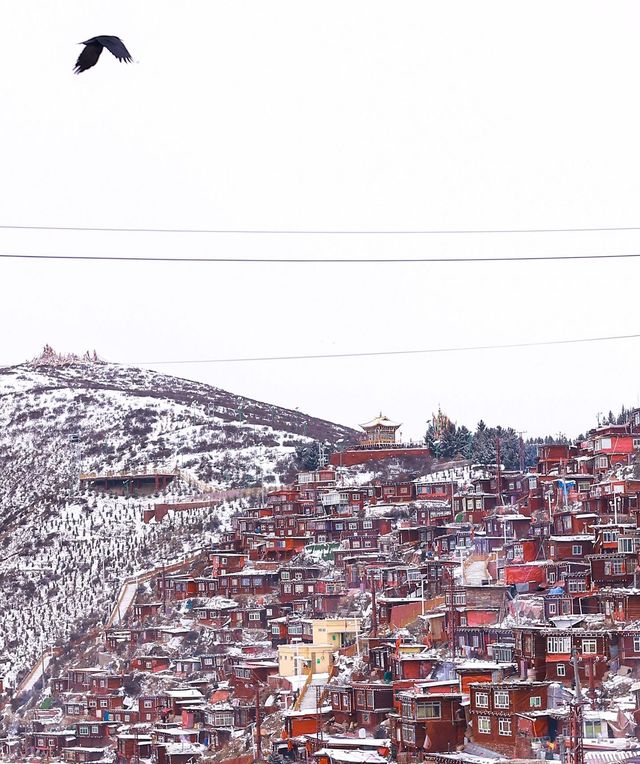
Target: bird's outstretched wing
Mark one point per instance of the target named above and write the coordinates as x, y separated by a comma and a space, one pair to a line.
115, 46
88, 58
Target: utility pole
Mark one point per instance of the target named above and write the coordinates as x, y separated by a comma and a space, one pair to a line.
374, 612
576, 753
318, 714
498, 468
258, 723
164, 590
452, 614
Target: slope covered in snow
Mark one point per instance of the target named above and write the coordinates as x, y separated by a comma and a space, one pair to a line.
64, 552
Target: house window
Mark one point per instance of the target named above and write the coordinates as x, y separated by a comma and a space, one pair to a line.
636, 644
626, 545
459, 598
346, 702
429, 710
602, 462
482, 700
535, 701
552, 608
576, 550
371, 702
609, 536
501, 699
504, 727
367, 524
613, 567
557, 645
561, 669
83, 730
579, 585
589, 646
254, 616
484, 725
285, 575
592, 728
147, 704
408, 733
552, 577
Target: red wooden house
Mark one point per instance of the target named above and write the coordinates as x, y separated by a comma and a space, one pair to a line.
144, 610
249, 581
366, 704
575, 547
51, 743
428, 722
248, 674
132, 747
494, 710
151, 663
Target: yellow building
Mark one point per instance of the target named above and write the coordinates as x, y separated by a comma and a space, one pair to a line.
327, 635
300, 658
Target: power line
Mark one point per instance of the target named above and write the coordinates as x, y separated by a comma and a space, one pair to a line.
543, 343
321, 231
318, 260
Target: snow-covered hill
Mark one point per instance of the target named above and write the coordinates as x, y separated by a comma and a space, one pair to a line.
63, 553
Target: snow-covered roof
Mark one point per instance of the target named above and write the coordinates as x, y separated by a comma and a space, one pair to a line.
352, 742
365, 757
379, 421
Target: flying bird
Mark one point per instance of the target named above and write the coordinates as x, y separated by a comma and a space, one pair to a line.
93, 48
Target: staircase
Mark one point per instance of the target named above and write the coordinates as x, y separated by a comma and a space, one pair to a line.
308, 697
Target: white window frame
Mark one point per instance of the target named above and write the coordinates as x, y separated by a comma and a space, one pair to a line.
484, 725
499, 699
559, 645
626, 544
504, 727
482, 700
408, 733
430, 709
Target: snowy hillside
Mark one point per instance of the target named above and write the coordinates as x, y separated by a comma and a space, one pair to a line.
64, 553
92, 416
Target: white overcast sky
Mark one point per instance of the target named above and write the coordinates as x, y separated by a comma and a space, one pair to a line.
340, 114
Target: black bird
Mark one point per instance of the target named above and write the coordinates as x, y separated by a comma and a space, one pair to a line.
93, 48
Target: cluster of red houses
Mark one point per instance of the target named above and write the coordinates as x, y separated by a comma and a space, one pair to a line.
475, 613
